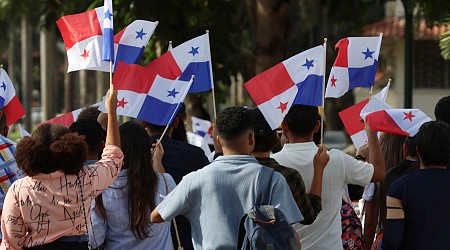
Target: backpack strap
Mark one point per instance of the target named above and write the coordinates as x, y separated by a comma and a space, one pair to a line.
264, 192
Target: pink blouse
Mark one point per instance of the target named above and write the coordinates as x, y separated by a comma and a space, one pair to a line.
40, 209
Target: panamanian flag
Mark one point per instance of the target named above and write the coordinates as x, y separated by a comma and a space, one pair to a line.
145, 95
83, 37
297, 80
9, 101
355, 65
189, 58
68, 118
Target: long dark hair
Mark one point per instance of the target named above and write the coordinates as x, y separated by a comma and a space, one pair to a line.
142, 180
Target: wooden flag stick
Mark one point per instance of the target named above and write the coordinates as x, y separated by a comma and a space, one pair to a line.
323, 88
111, 87
176, 110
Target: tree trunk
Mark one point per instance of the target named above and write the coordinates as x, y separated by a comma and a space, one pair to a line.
48, 84
27, 80
269, 20
83, 87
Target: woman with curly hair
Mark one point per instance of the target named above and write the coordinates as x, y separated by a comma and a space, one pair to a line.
50, 207
121, 214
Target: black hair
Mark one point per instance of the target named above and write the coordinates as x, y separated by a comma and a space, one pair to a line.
433, 143
410, 143
93, 132
265, 138
232, 122
180, 133
141, 180
301, 119
50, 148
90, 113
442, 110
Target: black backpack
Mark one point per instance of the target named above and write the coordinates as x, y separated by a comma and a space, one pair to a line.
264, 226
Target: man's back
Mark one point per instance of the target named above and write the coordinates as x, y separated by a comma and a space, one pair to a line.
216, 197
325, 232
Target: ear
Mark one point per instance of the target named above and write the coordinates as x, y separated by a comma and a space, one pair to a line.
218, 141
316, 128
284, 127
175, 122
251, 138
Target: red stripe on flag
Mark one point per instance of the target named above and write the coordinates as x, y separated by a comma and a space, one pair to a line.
65, 120
342, 56
269, 84
351, 117
165, 66
133, 77
383, 122
78, 27
13, 111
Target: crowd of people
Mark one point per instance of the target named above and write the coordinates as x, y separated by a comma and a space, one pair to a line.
98, 185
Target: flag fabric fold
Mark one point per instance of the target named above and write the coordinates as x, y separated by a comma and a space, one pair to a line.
108, 31
192, 57
396, 121
9, 102
23, 132
145, 95
355, 65
297, 80
351, 118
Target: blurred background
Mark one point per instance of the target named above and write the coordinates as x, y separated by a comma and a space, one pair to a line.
246, 37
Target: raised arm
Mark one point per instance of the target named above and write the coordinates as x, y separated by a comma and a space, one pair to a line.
112, 133
375, 155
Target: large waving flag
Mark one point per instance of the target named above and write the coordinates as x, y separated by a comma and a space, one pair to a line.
355, 65
8, 100
68, 118
190, 58
131, 41
108, 31
83, 36
297, 80
145, 95
351, 116
396, 121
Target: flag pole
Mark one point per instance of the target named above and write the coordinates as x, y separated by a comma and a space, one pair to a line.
176, 110
111, 87
213, 92
378, 49
323, 88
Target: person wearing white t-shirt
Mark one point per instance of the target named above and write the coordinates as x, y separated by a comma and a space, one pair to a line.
299, 125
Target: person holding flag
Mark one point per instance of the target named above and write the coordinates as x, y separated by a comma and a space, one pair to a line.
299, 125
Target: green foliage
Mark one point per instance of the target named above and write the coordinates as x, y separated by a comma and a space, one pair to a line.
444, 42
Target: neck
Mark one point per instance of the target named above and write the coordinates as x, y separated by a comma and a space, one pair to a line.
261, 154
235, 151
300, 139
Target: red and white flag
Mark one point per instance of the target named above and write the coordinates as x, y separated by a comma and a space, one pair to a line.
396, 121
68, 118
352, 120
9, 101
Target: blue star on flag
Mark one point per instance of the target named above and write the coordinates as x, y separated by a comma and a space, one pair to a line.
194, 51
108, 15
172, 93
197, 124
368, 53
3, 86
308, 63
140, 34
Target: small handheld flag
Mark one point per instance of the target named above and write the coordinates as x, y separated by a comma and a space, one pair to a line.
355, 65
9, 101
108, 32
